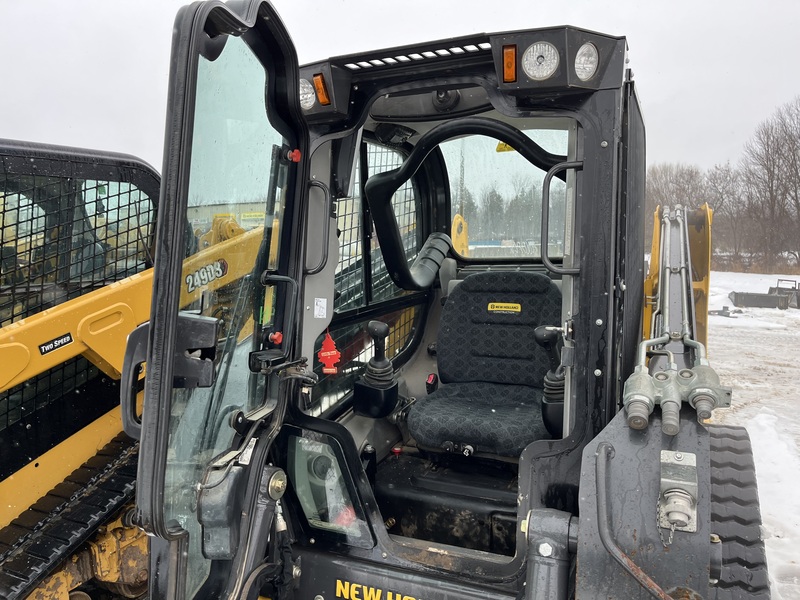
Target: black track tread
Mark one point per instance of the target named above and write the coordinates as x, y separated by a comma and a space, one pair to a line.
36, 542
736, 516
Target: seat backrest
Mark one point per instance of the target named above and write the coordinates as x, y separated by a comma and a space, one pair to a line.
486, 328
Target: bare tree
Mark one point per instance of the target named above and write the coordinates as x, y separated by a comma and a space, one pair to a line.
767, 208
788, 123
671, 184
725, 194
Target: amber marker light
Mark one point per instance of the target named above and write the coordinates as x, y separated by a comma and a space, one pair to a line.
509, 64
321, 89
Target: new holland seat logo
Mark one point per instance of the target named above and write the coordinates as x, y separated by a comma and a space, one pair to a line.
505, 307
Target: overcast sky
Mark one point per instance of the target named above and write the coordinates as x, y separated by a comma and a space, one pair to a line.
93, 73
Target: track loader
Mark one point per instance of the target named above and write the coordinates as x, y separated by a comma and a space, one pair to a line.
77, 238
78, 229
371, 410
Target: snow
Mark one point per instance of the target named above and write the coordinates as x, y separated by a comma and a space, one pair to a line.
756, 354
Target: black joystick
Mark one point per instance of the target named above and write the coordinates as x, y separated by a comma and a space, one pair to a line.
375, 394
547, 337
553, 401
378, 366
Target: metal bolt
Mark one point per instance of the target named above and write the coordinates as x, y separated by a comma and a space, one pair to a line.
384, 555
319, 597
597, 372
599, 322
312, 541
715, 539
545, 549
277, 485
678, 456
604, 144
296, 572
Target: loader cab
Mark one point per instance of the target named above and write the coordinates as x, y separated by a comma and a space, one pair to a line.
387, 306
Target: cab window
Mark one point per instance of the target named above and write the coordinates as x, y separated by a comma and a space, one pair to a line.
362, 281
498, 194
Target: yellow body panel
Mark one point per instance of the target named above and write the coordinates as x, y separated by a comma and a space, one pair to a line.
99, 322
459, 233
41, 475
651, 279
700, 247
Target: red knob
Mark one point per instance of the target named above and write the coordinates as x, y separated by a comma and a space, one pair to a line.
276, 337
294, 155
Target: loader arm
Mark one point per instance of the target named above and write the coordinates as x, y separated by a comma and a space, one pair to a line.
97, 324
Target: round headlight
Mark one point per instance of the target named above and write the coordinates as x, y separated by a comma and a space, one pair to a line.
307, 94
540, 61
586, 61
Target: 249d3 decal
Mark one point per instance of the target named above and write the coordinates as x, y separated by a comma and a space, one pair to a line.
207, 274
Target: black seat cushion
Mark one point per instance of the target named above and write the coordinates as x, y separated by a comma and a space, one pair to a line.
491, 366
493, 418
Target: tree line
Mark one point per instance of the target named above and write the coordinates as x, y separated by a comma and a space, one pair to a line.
511, 217
756, 201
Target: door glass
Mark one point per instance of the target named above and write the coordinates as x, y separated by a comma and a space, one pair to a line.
236, 187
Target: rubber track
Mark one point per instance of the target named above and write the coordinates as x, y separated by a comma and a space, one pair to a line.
35, 543
736, 516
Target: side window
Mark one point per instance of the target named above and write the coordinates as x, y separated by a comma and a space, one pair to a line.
406, 210
325, 492
501, 216
362, 281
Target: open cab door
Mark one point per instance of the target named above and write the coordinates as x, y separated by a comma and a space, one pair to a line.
224, 295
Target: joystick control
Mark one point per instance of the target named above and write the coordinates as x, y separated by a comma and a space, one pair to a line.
379, 371
553, 399
375, 393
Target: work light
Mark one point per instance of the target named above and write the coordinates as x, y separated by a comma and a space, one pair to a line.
586, 61
307, 95
540, 61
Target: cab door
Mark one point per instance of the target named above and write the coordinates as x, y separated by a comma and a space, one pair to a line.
225, 284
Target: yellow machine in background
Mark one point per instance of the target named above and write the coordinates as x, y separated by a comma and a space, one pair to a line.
76, 281
698, 228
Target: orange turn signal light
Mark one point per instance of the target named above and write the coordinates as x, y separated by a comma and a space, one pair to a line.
509, 64
321, 89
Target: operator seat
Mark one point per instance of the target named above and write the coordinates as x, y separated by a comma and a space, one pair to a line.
490, 365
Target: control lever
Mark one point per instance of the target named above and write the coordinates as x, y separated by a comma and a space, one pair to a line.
375, 394
379, 372
548, 337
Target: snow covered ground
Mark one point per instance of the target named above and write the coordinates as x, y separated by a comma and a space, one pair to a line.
756, 354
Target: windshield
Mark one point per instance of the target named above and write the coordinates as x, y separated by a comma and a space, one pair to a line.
236, 185
496, 194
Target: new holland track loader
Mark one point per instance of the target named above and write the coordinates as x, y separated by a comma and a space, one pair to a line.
368, 409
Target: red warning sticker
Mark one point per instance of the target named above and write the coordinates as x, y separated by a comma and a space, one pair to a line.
328, 355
